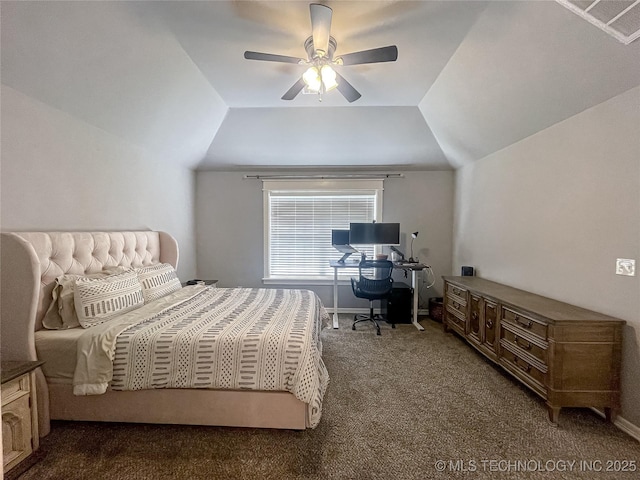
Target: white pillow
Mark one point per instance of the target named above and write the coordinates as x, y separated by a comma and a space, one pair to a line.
100, 299
157, 281
61, 313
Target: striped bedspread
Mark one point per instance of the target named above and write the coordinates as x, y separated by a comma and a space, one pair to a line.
228, 338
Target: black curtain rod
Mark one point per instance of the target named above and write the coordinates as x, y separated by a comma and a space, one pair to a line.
369, 176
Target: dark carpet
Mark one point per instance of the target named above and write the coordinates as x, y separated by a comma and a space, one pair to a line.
397, 404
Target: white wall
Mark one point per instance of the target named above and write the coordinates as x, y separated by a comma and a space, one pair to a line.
60, 173
522, 67
268, 137
551, 213
115, 66
229, 227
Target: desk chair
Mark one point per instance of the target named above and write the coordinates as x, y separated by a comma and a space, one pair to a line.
374, 283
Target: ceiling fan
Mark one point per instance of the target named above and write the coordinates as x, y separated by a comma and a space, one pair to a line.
320, 77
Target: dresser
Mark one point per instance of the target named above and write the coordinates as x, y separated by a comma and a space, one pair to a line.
568, 355
19, 412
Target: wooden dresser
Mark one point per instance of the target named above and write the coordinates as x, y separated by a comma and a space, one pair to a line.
568, 355
19, 412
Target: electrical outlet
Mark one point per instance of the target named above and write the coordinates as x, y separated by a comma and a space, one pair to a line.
626, 266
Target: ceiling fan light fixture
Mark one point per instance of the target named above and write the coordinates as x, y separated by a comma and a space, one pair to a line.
328, 75
312, 79
320, 79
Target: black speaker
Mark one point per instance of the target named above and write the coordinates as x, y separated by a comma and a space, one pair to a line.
397, 308
467, 271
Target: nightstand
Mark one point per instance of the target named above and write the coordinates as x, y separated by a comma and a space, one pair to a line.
209, 283
19, 412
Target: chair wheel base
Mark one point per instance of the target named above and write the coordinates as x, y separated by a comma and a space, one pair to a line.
366, 318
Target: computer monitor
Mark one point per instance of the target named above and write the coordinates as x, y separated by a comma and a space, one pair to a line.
340, 241
374, 234
339, 237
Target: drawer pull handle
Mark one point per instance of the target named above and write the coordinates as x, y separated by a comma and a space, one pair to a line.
474, 315
456, 291
456, 305
525, 345
489, 324
526, 324
522, 367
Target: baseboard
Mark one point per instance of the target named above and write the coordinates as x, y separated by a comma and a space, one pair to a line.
421, 311
352, 310
623, 424
627, 427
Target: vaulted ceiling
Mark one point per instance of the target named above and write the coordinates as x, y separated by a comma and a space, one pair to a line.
471, 77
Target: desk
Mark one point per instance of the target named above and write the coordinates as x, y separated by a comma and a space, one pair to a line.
414, 267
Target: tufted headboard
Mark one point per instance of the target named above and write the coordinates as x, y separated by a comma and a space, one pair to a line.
31, 261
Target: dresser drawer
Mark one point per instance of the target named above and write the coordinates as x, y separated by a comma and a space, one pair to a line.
454, 319
527, 342
528, 370
524, 322
455, 304
458, 294
15, 389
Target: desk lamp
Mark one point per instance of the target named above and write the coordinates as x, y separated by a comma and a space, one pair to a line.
414, 235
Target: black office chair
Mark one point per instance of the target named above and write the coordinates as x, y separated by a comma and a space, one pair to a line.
374, 283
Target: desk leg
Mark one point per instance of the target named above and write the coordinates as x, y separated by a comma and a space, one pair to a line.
335, 297
414, 285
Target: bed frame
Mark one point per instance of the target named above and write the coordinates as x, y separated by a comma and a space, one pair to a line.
30, 263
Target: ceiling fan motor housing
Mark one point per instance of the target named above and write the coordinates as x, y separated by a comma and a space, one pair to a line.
311, 51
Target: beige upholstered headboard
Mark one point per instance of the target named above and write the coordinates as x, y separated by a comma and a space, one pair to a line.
31, 261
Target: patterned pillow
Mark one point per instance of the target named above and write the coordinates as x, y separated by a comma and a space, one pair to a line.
157, 281
61, 313
100, 299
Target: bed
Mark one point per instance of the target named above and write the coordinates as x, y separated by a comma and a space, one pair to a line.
31, 262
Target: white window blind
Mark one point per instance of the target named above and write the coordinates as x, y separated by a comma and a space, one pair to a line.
299, 218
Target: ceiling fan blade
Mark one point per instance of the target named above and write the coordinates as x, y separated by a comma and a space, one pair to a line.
294, 91
320, 26
346, 89
375, 55
269, 57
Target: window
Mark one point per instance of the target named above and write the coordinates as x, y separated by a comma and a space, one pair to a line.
299, 217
